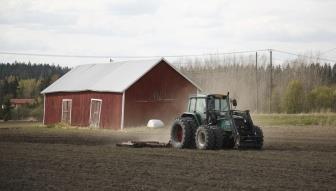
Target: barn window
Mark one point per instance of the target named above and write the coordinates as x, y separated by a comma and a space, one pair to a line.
95, 109
66, 110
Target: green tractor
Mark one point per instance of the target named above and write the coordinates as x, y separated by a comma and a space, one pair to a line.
211, 123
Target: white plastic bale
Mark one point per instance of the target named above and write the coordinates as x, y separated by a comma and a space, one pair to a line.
155, 123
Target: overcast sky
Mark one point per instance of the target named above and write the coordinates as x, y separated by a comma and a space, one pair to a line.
163, 27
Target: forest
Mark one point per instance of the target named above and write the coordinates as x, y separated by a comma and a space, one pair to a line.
25, 80
294, 86
298, 85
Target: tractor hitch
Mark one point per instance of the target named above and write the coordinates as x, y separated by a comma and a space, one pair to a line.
141, 144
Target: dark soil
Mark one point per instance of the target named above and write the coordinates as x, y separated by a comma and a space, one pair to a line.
293, 158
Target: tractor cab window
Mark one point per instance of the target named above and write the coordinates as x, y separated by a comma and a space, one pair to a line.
197, 105
217, 104
221, 105
192, 105
200, 105
224, 106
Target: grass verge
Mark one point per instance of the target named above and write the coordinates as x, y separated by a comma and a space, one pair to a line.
317, 119
321, 119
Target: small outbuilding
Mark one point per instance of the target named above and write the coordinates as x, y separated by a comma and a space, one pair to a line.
118, 94
17, 102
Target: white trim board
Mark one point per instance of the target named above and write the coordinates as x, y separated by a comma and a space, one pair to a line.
122, 111
44, 106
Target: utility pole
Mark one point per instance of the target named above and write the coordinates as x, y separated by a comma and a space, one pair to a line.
257, 85
271, 82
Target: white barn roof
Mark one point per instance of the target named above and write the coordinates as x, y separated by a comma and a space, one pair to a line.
111, 77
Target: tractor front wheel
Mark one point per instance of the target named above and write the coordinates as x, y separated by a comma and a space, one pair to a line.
260, 138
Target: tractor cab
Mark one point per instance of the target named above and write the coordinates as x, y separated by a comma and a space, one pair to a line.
212, 109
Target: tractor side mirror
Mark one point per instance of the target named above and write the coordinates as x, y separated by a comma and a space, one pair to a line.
234, 102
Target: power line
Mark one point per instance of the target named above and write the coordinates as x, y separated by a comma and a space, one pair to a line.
301, 55
330, 50
160, 56
107, 57
52, 55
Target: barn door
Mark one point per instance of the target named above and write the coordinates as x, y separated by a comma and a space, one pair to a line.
95, 110
66, 110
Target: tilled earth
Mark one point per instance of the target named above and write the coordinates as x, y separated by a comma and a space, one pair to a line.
293, 158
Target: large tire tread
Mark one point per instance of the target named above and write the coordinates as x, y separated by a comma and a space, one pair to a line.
219, 138
209, 138
187, 134
260, 138
228, 143
193, 125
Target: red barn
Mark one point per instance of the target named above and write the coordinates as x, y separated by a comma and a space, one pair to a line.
117, 94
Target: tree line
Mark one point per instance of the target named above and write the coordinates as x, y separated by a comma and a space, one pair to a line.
25, 80
294, 86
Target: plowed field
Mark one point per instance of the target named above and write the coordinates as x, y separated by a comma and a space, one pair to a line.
36, 158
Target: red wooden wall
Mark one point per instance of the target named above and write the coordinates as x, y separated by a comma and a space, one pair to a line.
162, 94
110, 112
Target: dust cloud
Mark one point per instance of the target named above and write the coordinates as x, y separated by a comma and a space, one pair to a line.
254, 88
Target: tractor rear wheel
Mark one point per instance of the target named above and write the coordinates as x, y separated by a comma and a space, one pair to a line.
181, 134
205, 138
260, 138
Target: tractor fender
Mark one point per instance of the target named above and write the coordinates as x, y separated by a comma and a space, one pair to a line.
193, 116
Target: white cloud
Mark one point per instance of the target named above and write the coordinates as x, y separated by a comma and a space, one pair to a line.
164, 27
